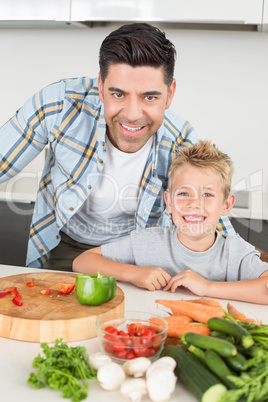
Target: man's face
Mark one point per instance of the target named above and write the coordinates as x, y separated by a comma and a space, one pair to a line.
135, 100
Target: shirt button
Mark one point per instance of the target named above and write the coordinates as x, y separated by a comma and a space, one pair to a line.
89, 187
71, 209
100, 161
57, 225
41, 250
57, 237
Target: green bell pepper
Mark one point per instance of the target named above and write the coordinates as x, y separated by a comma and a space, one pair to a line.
95, 289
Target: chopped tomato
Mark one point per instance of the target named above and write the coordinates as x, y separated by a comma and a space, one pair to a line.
141, 351
30, 284
139, 341
131, 355
132, 329
111, 330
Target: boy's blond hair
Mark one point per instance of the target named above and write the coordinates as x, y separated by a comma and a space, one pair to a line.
204, 155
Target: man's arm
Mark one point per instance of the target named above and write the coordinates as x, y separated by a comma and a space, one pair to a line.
251, 290
24, 136
92, 261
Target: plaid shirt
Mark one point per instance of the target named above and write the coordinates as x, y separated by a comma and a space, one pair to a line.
68, 116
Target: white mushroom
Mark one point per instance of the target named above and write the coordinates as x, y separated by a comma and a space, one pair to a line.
161, 384
133, 389
166, 361
137, 367
110, 376
96, 360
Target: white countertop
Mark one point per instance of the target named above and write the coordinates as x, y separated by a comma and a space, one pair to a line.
17, 356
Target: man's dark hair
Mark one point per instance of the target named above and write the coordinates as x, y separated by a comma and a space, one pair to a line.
138, 44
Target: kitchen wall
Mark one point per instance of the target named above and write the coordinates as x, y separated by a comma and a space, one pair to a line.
222, 84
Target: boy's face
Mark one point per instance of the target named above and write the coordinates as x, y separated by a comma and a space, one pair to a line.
135, 100
196, 202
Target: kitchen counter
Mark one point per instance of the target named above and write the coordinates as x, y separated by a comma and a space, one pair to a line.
17, 356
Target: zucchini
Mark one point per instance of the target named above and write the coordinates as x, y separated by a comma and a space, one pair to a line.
240, 333
221, 346
199, 353
193, 374
214, 393
218, 366
236, 362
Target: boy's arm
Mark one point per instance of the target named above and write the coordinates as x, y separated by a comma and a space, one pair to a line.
251, 290
92, 261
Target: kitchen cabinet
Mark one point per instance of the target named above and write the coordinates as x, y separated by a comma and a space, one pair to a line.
255, 231
265, 15
50, 10
205, 11
15, 221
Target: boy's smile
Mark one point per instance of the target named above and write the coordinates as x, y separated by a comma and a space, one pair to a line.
196, 203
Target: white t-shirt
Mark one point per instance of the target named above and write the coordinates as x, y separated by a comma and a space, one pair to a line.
108, 213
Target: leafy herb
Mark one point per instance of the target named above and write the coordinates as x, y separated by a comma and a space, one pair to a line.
252, 385
259, 334
63, 368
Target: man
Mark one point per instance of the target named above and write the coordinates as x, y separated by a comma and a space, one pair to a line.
110, 143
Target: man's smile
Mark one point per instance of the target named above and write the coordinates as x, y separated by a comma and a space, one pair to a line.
132, 131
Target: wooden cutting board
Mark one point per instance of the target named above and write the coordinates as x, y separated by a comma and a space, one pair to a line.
47, 318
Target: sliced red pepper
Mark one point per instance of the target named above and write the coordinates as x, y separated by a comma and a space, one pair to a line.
30, 284
15, 294
3, 294
66, 289
45, 292
10, 289
17, 301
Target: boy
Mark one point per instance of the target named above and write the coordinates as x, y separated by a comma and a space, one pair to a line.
191, 253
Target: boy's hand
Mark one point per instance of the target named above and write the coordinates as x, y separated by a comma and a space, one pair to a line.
151, 278
190, 280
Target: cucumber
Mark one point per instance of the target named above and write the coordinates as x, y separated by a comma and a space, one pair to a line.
218, 366
236, 362
193, 374
240, 333
214, 393
221, 346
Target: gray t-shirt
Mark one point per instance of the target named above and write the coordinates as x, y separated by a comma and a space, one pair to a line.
229, 259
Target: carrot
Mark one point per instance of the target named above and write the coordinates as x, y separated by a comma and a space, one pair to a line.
173, 321
238, 315
207, 302
180, 329
197, 312
178, 319
172, 340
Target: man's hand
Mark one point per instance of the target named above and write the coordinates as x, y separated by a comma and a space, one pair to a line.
151, 278
190, 280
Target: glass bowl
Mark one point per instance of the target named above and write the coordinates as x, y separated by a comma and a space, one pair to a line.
125, 335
